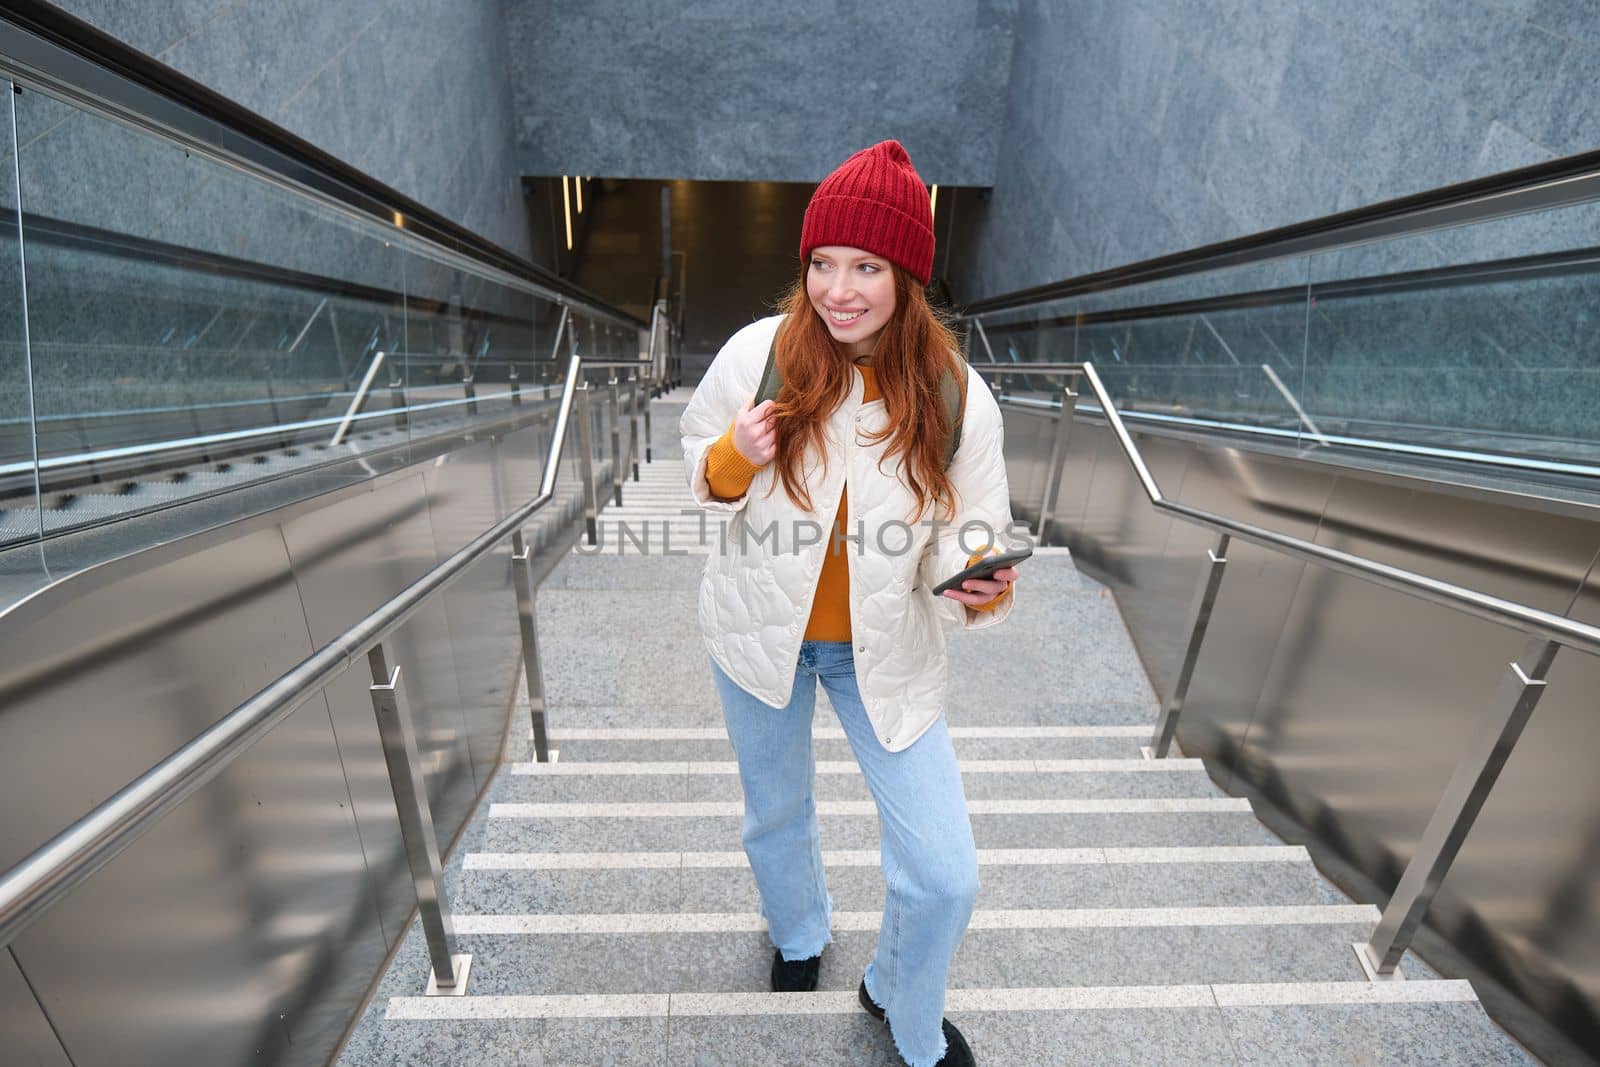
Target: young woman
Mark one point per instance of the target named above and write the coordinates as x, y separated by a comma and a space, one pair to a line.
840, 518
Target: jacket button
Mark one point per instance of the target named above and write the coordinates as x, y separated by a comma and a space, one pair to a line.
861, 648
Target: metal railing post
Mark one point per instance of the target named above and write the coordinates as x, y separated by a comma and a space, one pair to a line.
301, 336
532, 667
1514, 700
1205, 598
591, 506
399, 738
397, 400
983, 335
357, 401
469, 389
555, 346
516, 386
649, 452
1058, 457
636, 402
614, 410
658, 375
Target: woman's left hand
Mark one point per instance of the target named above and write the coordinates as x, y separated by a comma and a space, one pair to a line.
983, 590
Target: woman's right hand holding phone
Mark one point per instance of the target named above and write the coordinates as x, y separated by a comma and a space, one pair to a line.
755, 433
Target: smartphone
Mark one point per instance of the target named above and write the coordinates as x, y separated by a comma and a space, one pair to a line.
983, 569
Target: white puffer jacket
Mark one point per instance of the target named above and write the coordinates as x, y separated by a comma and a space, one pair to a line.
766, 556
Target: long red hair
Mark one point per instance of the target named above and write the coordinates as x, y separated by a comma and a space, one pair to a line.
911, 355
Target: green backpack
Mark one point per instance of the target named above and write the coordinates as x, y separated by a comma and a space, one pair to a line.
950, 390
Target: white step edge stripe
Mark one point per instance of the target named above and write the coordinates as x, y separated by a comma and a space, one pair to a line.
664, 509
677, 543
997, 766
633, 553
1080, 998
654, 516
612, 551
655, 520
647, 535
712, 808
1017, 857
719, 733
982, 919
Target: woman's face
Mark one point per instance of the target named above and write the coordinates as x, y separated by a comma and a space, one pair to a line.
853, 292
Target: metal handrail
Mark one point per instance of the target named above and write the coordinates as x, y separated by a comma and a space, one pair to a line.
1495, 609
1322, 438
1488, 749
30, 887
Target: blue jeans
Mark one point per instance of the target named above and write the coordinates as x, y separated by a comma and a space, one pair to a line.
930, 864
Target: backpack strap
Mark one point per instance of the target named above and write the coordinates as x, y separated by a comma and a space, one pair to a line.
771, 380
954, 394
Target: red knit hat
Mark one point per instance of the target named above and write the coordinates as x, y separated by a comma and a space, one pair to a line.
874, 202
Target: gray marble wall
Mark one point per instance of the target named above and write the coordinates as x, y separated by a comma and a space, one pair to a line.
1135, 128
757, 90
417, 95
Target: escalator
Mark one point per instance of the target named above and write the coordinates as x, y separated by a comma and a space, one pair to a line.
1411, 384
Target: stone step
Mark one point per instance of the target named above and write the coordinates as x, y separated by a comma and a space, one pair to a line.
719, 952
585, 570
1258, 1025
971, 743
708, 715
1031, 660
1049, 571
1046, 878
691, 828
656, 780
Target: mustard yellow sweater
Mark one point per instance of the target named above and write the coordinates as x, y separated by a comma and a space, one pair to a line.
729, 474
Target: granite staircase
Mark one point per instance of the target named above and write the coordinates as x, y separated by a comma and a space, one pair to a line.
1130, 910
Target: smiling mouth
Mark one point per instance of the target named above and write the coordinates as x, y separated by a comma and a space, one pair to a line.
845, 317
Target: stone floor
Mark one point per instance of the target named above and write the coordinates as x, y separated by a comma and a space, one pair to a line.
1131, 912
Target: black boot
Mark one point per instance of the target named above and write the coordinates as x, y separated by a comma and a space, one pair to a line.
794, 976
957, 1052
868, 1003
